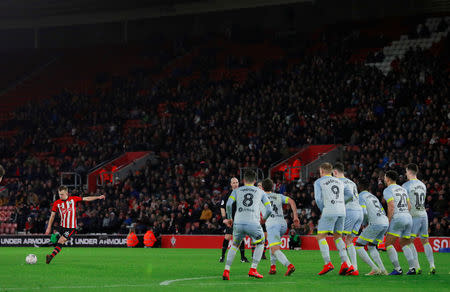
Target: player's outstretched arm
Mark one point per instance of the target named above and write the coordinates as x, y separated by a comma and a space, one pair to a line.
50, 223
291, 203
93, 198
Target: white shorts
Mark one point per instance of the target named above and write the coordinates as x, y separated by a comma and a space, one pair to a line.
373, 233
253, 230
419, 227
275, 232
353, 221
400, 226
331, 224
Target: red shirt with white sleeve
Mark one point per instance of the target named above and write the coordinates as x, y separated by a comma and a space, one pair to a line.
67, 211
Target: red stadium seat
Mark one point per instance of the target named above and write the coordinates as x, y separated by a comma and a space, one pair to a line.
2, 230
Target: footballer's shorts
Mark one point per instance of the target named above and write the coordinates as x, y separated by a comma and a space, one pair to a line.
228, 230
67, 232
275, 232
373, 233
331, 224
353, 221
400, 225
253, 230
419, 227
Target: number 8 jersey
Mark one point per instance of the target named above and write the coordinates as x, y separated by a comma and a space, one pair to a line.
329, 195
248, 200
417, 192
398, 194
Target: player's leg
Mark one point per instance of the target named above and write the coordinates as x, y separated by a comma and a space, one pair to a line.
257, 234
242, 251
380, 231
350, 220
273, 239
426, 245
65, 235
429, 253
366, 237
325, 226
275, 247
391, 237
404, 243
238, 235
225, 243
346, 266
414, 231
266, 243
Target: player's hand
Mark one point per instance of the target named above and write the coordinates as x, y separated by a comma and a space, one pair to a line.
296, 223
229, 222
102, 197
47, 231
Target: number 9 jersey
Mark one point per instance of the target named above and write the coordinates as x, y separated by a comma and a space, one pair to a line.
329, 195
416, 192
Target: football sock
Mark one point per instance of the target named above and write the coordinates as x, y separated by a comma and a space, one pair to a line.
352, 254
429, 254
242, 249
365, 257
230, 256
257, 255
57, 249
273, 259
224, 246
376, 257
340, 245
392, 253
325, 250
415, 256
409, 256
282, 258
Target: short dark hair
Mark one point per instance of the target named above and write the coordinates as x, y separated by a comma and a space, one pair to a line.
62, 188
2, 171
339, 167
249, 176
392, 175
267, 185
413, 168
363, 184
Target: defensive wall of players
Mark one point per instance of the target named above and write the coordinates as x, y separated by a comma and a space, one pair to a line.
308, 242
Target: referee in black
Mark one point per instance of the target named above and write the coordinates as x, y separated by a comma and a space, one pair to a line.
234, 182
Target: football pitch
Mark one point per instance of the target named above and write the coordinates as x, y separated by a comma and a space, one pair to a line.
122, 269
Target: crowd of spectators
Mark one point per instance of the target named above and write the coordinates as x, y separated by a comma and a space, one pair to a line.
209, 129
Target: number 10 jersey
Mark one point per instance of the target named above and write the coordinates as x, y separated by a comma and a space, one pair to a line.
417, 192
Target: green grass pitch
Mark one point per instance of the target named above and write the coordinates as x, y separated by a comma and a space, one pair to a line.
122, 269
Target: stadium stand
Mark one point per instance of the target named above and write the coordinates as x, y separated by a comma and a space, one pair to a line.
208, 114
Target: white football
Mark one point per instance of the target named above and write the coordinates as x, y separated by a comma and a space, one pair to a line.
31, 259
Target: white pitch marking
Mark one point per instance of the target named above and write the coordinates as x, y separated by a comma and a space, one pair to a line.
168, 282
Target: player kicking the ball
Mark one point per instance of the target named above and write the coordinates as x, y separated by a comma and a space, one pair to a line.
246, 221
66, 206
276, 226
